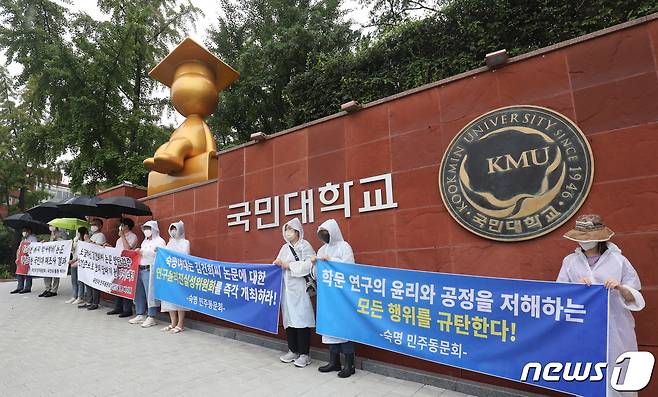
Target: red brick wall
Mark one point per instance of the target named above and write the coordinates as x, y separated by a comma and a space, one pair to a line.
608, 85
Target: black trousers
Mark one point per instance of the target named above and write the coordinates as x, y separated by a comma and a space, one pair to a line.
345, 348
93, 295
299, 340
123, 304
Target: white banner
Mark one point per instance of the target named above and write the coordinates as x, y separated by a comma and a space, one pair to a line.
108, 269
50, 259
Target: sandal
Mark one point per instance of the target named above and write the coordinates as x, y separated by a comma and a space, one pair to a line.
167, 328
176, 330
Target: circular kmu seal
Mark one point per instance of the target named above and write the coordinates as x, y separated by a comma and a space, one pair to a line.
516, 173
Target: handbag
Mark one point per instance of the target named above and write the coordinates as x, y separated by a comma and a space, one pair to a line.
311, 285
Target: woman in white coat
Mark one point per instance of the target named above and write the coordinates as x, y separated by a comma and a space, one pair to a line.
178, 243
144, 294
338, 250
598, 261
297, 310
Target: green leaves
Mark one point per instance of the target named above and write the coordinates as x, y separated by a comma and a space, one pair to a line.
269, 43
86, 84
84, 103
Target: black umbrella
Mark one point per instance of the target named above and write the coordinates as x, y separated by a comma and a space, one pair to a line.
21, 220
46, 212
81, 206
114, 207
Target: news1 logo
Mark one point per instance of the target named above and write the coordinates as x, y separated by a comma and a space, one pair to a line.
638, 371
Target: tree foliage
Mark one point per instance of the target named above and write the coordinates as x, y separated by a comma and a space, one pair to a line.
89, 89
270, 42
450, 41
83, 95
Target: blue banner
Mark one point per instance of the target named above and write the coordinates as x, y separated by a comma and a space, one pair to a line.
245, 294
487, 325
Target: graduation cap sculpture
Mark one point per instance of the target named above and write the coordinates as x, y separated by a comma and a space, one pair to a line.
195, 77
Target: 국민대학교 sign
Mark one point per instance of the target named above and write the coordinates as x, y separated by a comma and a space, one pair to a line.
516, 173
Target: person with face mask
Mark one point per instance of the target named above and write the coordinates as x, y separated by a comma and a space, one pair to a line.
338, 250
93, 295
127, 241
598, 261
24, 283
78, 287
52, 283
144, 294
178, 243
296, 308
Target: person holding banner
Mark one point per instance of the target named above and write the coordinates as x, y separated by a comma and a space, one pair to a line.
598, 261
93, 295
52, 283
296, 308
178, 243
144, 294
335, 249
78, 287
24, 282
127, 241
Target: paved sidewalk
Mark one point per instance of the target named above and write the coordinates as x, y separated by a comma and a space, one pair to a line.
48, 348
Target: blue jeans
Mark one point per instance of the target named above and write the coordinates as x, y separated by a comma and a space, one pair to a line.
24, 282
81, 289
142, 293
74, 282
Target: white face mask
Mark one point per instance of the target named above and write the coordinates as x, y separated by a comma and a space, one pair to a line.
24, 234
94, 229
52, 228
148, 233
290, 235
172, 233
588, 245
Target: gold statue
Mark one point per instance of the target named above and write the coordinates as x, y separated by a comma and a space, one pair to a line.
195, 77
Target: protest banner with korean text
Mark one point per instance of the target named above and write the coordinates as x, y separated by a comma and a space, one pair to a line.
488, 325
47, 259
245, 294
108, 269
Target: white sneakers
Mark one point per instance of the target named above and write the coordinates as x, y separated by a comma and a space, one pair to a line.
149, 322
289, 357
72, 300
137, 319
77, 301
302, 361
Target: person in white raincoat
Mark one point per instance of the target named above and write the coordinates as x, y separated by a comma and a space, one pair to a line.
338, 250
297, 310
598, 261
144, 294
178, 243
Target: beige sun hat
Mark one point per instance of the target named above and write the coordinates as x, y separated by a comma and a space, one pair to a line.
589, 228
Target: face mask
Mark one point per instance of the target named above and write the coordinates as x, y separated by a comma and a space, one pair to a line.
120, 227
172, 233
588, 245
148, 233
324, 236
290, 235
24, 234
52, 228
94, 229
